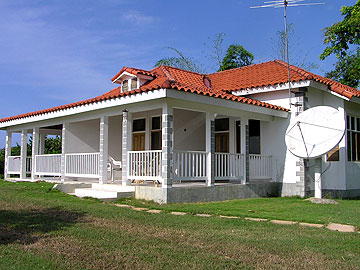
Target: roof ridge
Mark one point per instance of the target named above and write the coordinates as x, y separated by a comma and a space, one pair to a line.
238, 68
188, 71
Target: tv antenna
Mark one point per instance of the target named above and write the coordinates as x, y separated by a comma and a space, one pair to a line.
285, 4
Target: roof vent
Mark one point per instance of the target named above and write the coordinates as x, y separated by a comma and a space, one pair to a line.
207, 82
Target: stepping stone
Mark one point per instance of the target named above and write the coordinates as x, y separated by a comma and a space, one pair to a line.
283, 222
203, 215
139, 209
256, 219
230, 217
123, 205
311, 225
178, 213
341, 227
154, 211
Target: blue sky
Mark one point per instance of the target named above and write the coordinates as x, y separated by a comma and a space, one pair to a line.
54, 52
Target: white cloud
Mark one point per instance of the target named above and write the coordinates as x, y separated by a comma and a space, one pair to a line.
136, 17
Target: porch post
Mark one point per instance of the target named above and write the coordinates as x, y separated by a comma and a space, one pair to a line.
244, 130
167, 146
35, 151
23, 154
42, 143
210, 149
63, 150
104, 149
7, 153
126, 145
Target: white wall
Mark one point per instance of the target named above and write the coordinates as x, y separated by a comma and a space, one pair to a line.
189, 130
115, 137
83, 137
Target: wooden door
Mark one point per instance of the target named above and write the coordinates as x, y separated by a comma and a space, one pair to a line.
222, 142
139, 141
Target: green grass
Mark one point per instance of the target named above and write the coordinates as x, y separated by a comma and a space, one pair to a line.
292, 209
42, 229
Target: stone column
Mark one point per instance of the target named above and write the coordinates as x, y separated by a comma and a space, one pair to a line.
244, 131
167, 146
35, 151
7, 153
104, 149
63, 151
210, 149
23, 154
126, 145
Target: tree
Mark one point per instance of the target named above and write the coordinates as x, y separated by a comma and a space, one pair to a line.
180, 61
343, 40
236, 56
296, 56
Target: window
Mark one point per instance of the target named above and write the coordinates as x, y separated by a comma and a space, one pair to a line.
254, 137
139, 125
156, 133
353, 138
133, 83
333, 155
238, 136
222, 135
125, 86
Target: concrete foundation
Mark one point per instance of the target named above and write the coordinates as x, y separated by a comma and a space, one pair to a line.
204, 193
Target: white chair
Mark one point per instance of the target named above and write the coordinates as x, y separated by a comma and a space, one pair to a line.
114, 165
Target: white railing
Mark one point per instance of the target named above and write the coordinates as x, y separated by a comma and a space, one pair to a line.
144, 165
189, 165
228, 166
13, 164
28, 164
82, 165
48, 165
260, 167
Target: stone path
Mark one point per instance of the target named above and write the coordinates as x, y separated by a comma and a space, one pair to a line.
330, 226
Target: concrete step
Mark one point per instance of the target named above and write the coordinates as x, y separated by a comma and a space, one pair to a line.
102, 194
112, 187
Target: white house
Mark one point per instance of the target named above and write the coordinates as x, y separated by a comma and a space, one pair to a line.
171, 135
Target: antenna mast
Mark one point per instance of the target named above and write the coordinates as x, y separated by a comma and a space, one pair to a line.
285, 4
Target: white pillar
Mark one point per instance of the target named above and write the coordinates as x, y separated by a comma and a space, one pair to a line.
167, 146
35, 151
318, 193
42, 143
126, 145
23, 154
210, 148
7, 153
63, 151
244, 135
104, 149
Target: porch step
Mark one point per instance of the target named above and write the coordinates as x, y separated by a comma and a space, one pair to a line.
112, 187
102, 194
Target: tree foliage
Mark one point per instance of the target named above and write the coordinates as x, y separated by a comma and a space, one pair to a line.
343, 40
236, 56
297, 56
180, 61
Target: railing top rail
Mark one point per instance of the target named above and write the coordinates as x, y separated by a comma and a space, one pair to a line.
257, 155
220, 153
48, 155
146, 151
186, 151
78, 154
14, 156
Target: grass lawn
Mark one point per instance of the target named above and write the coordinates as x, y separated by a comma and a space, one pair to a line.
292, 209
40, 229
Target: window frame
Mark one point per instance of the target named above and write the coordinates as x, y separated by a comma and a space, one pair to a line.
352, 135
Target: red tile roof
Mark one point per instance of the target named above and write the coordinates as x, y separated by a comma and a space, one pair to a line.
219, 85
134, 71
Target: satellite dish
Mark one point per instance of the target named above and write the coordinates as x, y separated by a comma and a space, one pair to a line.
315, 132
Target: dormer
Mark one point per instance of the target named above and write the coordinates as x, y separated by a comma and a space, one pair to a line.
131, 78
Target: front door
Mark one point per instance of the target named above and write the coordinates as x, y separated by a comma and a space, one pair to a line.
139, 141
222, 142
